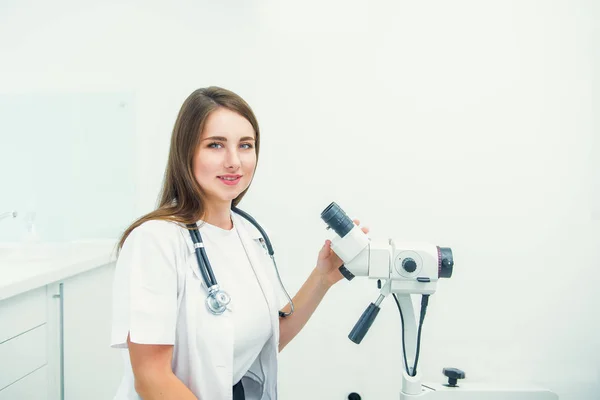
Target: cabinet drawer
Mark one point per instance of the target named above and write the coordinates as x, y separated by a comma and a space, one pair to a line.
22, 313
31, 387
22, 355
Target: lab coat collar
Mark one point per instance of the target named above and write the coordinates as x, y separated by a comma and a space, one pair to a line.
238, 222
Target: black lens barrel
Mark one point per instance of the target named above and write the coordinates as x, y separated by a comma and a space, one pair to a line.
337, 219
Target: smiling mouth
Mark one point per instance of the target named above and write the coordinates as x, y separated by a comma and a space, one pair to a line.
229, 178
230, 181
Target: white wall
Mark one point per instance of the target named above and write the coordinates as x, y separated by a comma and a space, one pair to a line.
468, 124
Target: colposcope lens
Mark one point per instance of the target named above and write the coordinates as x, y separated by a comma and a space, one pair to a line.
337, 219
445, 262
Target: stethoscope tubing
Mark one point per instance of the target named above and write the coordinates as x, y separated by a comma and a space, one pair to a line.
208, 274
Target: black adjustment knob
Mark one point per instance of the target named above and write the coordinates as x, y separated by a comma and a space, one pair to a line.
346, 273
409, 265
453, 375
354, 396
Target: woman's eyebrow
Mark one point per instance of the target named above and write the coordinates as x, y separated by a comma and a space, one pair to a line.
224, 139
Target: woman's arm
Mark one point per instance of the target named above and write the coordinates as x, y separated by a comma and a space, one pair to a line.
323, 277
305, 303
154, 378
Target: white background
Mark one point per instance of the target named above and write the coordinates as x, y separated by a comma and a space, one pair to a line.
468, 124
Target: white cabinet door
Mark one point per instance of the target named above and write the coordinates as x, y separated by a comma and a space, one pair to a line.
22, 355
34, 386
92, 370
22, 313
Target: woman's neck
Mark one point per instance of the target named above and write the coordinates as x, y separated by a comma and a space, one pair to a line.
220, 217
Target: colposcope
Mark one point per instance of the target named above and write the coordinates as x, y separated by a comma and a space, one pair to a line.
404, 268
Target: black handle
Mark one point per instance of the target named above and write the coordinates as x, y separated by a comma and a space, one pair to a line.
364, 323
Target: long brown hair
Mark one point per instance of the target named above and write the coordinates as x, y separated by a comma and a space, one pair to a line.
181, 197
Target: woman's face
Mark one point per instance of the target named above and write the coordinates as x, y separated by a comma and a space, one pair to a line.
226, 157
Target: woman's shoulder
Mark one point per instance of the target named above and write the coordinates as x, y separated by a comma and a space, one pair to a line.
159, 230
161, 226
155, 243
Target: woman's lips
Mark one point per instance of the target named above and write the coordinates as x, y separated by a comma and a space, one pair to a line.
230, 182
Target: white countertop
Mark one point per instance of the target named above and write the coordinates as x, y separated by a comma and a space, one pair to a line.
27, 266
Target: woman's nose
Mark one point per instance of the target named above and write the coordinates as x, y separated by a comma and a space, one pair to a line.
233, 159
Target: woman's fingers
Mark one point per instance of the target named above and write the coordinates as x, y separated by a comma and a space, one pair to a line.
357, 223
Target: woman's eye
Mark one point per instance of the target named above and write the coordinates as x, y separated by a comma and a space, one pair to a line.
214, 144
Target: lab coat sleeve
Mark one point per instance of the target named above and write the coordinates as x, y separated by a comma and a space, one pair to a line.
145, 289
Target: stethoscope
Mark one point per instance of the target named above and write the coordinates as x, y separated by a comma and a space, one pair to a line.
217, 299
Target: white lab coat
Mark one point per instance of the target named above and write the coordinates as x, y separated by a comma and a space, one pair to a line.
159, 297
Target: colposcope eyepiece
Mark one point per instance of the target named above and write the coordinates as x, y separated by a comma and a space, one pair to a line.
337, 219
445, 262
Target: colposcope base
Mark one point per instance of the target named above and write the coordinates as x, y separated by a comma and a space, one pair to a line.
479, 391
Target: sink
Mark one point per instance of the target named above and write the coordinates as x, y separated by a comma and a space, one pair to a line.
30, 251
35, 252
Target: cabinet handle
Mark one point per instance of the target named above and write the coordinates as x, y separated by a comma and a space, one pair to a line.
61, 329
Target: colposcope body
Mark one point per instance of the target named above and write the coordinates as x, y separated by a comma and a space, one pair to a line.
412, 267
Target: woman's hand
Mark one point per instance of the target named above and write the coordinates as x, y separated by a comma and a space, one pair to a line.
328, 263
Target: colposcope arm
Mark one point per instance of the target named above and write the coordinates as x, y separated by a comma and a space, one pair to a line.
368, 316
411, 385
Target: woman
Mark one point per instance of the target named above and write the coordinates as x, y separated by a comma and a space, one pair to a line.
177, 348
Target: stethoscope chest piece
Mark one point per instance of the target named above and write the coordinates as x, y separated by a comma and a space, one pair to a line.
217, 300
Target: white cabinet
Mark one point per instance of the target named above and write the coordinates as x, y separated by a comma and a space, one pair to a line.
92, 370
55, 340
